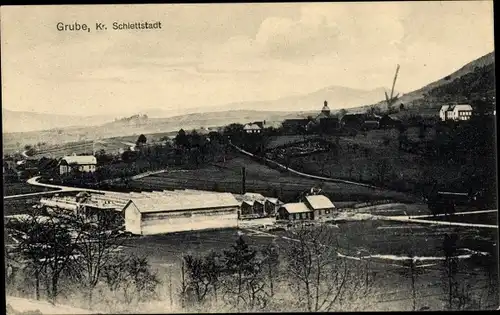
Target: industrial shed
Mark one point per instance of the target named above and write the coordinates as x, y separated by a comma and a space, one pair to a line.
271, 206
183, 212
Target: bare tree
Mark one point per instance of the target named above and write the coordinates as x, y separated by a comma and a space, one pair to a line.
321, 279
100, 236
271, 263
130, 277
29, 231
382, 168
214, 268
198, 279
245, 279
450, 267
411, 271
183, 290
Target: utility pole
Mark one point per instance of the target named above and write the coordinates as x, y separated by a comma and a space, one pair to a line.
243, 179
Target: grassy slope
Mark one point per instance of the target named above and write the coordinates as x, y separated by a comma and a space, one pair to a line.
403, 165
259, 178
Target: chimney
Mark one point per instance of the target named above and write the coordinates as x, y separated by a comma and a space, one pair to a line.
243, 179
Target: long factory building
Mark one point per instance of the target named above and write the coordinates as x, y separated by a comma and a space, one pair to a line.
159, 212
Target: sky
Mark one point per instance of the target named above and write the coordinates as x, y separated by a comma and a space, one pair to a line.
212, 54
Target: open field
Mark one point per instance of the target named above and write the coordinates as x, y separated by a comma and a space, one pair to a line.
259, 178
110, 145
21, 188
19, 205
480, 218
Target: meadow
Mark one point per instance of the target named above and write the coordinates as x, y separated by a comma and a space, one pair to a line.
227, 176
21, 188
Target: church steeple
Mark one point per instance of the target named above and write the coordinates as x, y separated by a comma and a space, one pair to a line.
326, 109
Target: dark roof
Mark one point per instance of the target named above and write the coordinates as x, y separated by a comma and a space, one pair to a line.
329, 119
353, 117
302, 121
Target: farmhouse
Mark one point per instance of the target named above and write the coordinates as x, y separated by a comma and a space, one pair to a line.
312, 208
253, 128
166, 214
295, 211
82, 163
329, 124
389, 121
295, 125
370, 124
352, 120
455, 112
320, 205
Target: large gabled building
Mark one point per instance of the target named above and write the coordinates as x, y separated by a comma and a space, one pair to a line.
184, 212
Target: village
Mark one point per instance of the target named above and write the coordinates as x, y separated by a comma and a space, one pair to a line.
250, 158
153, 203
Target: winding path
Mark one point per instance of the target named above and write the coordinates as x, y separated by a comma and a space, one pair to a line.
328, 179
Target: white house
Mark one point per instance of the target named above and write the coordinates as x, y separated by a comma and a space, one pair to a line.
182, 212
253, 128
455, 112
82, 163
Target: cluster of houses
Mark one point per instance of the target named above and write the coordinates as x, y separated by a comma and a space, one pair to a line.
327, 123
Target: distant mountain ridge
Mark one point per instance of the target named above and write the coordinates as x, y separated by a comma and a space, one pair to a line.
337, 97
23, 121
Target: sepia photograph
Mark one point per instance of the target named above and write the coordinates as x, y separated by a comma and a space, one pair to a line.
249, 157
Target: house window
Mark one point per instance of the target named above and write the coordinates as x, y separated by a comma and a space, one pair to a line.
327, 211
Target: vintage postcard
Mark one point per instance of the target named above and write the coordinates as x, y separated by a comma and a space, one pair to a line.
246, 157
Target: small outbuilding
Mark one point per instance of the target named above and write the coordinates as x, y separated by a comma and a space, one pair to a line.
271, 206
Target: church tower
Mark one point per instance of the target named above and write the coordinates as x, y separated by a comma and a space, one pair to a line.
326, 109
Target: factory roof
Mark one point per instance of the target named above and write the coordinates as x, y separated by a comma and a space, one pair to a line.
184, 202
254, 196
